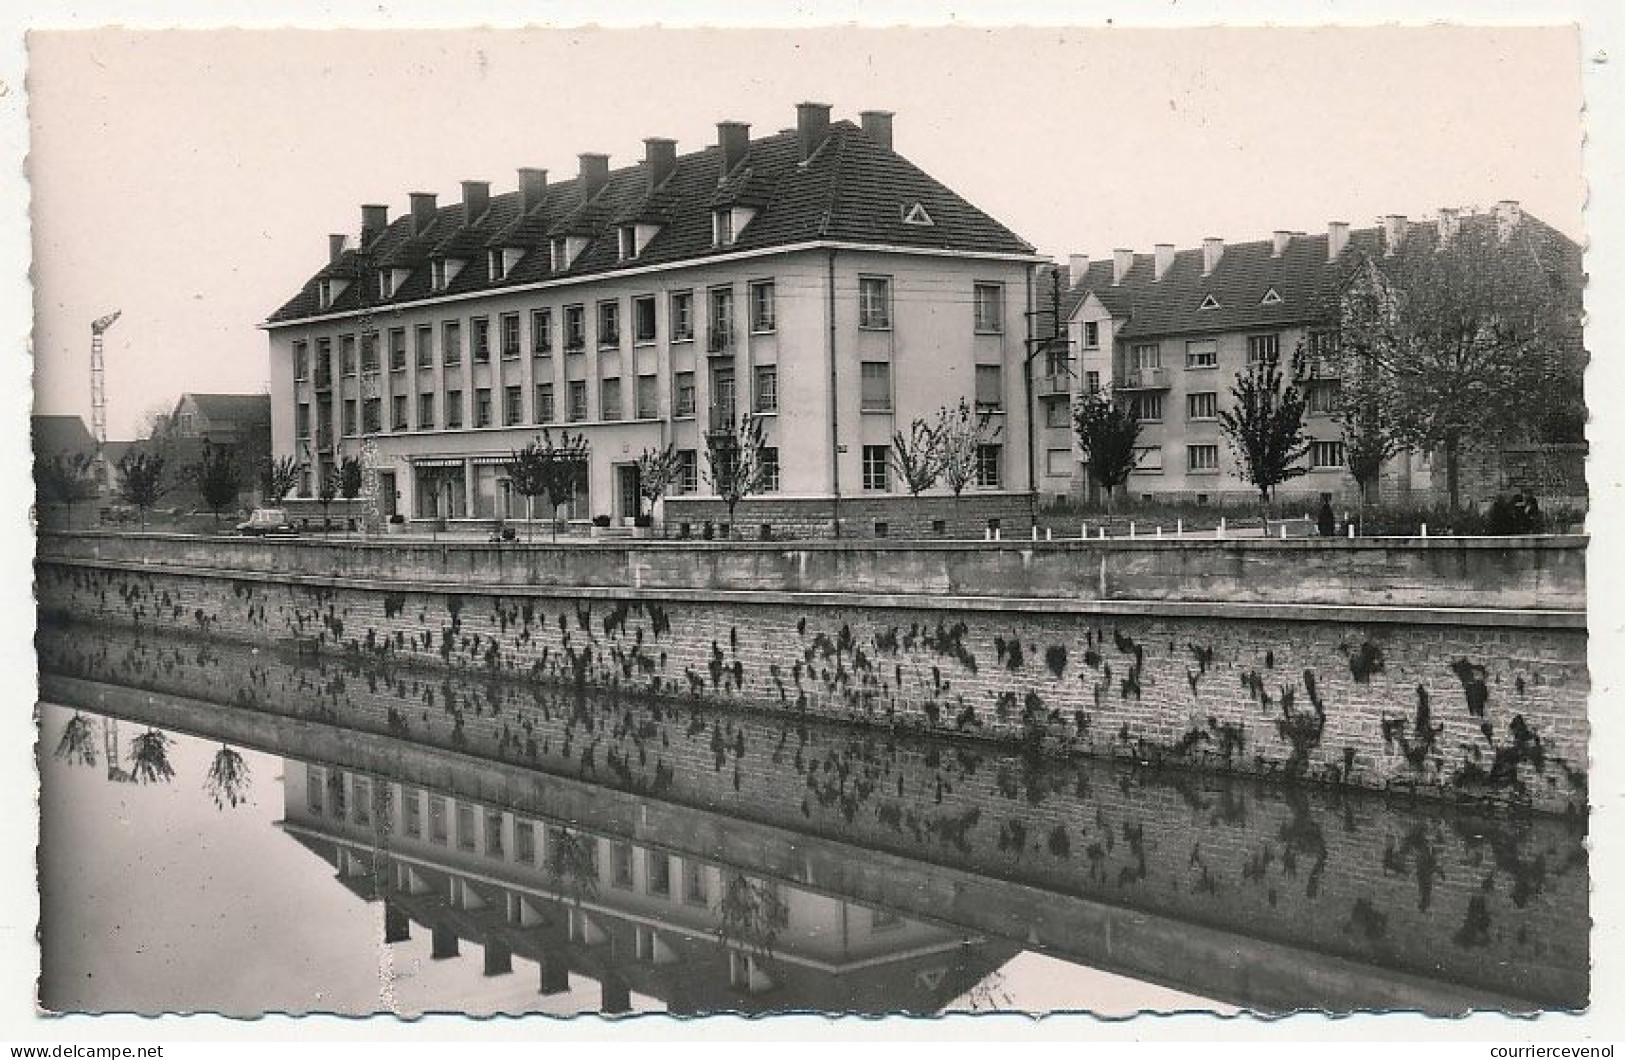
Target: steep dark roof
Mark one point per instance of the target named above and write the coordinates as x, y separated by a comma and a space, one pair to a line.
232, 408
1307, 282
851, 189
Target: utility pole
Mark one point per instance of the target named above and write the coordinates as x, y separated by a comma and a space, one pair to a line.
1038, 345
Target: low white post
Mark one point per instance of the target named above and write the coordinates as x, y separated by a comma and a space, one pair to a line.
1179, 528
1049, 534
1131, 528
1221, 526
1083, 535
1283, 531
987, 533
1424, 529
998, 534
1035, 531
1351, 531
1103, 532
1159, 529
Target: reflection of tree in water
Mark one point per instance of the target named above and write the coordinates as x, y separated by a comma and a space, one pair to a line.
228, 780
990, 994
149, 758
78, 743
751, 914
574, 865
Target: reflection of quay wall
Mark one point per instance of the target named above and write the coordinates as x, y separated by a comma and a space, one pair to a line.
631, 914
1484, 704
1495, 903
1503, 573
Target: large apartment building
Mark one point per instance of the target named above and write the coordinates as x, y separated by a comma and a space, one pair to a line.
1171, 330
813, 277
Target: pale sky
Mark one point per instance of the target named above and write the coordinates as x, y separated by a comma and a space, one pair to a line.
190, 179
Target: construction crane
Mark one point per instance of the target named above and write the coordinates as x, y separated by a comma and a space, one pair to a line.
98, 391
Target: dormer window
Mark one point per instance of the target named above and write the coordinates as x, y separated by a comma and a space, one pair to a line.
1271, 297
1209, 302
628, 236
722, 228
324, 294
386, 284
498, 264
916, 215
561, 254
437, 274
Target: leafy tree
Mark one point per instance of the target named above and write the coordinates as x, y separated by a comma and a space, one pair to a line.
1368, 439
351, 478
1470, 340
573, 864
734, 462
916, 457
279, 476
218, 479
657, 470
960, 434
564, 469
1107, 430
1264, 424
141, 480
751, 913
327, 491
527, 475
64, 478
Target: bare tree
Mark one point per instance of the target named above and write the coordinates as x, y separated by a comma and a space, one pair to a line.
916, 457
279, 476
1107, 429
1471, 338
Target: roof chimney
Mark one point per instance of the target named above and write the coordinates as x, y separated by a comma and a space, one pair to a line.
1077, 269
877, 126
660, 159
532, 188
1122, 261
335, 245
812, 124
476, 197
1449, 222
374, 219
1337, 239
423, 211
734, 139
1212, 251
1283, 239
594, 174
1394, 227
1507, 215
1164, 260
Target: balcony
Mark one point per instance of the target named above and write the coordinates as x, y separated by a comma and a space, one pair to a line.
723, 419
1145, 379
719, 340
1322, 367
1054, 386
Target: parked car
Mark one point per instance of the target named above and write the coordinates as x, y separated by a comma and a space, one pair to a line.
267, 522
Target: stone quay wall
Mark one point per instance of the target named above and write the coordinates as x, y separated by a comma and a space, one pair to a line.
1461, 704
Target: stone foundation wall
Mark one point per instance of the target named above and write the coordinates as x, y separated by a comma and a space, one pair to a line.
1482, 711
968, 517
1456, 896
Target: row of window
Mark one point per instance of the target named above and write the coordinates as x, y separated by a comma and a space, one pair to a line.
874, 313
1205, 458
1321, 397
1204, 353
566, 851
877, 467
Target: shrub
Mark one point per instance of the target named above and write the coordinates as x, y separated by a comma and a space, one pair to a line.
643, 521
600, 520
398, 519
1517, 514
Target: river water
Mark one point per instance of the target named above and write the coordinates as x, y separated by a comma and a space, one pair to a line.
236, 830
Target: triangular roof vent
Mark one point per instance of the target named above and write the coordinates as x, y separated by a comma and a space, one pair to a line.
916, 215
1209, 302
1271, 297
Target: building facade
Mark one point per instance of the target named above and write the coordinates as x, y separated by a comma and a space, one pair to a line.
1170, 331
813, 277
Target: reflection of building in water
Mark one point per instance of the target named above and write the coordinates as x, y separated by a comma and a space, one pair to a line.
631, 914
